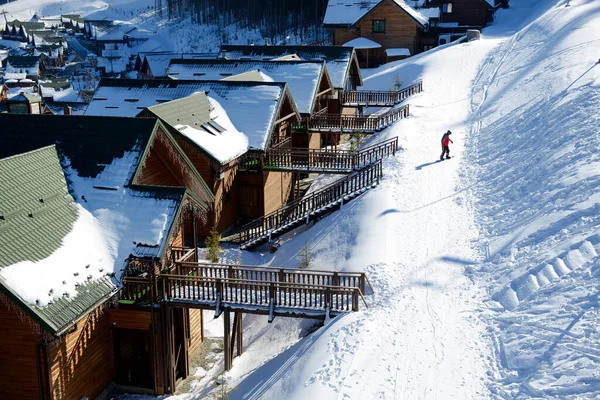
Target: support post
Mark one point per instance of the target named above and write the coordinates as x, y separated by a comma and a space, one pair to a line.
240, 334
227, 340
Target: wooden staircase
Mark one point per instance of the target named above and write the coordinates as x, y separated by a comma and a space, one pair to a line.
318, 161
310, 207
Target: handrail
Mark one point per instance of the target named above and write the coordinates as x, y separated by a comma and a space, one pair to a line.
324, 197
382, 98
260, 268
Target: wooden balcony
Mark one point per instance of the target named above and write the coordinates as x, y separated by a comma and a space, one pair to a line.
366, 98
318, 161
310, 207
352, 124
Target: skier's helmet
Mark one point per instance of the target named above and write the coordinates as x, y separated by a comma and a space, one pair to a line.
449, 133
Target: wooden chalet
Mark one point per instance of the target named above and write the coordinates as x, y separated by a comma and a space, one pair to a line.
74, 22
72, 346
383, 25
263, 111
207, 134
90, 319
341, 62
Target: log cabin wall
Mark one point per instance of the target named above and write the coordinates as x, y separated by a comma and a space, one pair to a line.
277, 190
141, 319
251, 194
315, 141
226, 193
165, 166
18, 364
196, 325
401, 31
80, 363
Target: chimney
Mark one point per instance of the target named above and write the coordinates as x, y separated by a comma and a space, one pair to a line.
68, 110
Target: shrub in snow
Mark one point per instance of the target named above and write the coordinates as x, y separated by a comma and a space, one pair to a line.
213, 245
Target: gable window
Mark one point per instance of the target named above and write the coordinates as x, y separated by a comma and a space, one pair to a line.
447, 8
378, 26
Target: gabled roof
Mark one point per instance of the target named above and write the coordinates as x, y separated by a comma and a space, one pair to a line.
26, 25
61, 256
24, 98
347, 13
251, 106
23, 61
338, 59
302, 77
203, 122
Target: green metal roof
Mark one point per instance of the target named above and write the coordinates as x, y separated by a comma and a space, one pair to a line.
193, 110
23, 61
36, 209
36, 213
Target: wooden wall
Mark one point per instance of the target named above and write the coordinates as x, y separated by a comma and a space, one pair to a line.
466, 12
401, 31
277, 189
251, 194
165, 166
18, 366
196, 330
141, 319
315, 141
80, 363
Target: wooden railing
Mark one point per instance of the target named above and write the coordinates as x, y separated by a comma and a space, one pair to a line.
136, 289
273, 274
276, 223
260, 293
312, 160
347, 123
375, 98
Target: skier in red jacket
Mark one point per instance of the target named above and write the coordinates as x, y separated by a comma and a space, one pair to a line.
446, 145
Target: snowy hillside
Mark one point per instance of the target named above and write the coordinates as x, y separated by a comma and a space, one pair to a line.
516, 211
180, 35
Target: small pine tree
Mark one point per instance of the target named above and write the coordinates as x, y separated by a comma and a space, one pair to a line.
397, 83
212, 243
223, 391
306, 257
356, 140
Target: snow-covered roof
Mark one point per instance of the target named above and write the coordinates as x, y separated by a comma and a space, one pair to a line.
251, 106
349, 12
254, 76
302, 78
401, 51
433, 12
108, 220
338, 59
363, 43
205, 122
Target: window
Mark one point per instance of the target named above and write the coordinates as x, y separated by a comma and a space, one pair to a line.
447, 8
378, 26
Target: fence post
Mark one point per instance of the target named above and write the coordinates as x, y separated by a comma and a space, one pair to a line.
355, 300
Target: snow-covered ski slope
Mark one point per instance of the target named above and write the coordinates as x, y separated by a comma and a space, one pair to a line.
485, 266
